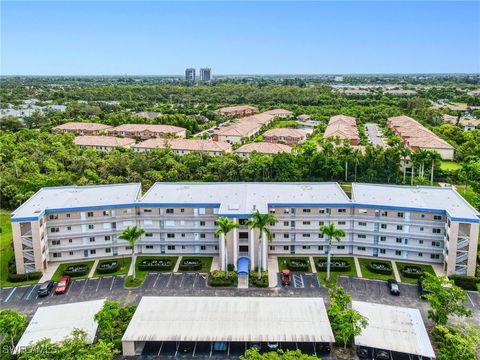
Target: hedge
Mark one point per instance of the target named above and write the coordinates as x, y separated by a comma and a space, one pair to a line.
388, 271
24, 277
217, 278
412, 275
83, 272
254, 281
109, 270
190, 267
465, 282
333, 267
302, 265
156, 267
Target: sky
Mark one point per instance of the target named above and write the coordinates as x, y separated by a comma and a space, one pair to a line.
163, 38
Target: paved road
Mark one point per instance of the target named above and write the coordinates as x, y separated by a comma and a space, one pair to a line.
374, 134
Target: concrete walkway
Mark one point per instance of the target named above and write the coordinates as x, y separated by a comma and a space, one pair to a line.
395, 272
272, 267
130, 271
242, 282
48, 274
215, 264
312, 265
357, 267
177, 265
438, 269
92, 270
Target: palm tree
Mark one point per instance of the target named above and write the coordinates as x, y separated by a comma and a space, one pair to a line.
331, 232
356, 155
405, 153
433, 157
224, 226
346, 152
132, 234
262, 222
422, 157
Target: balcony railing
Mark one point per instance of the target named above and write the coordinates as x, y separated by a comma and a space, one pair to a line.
462, 243
462, 257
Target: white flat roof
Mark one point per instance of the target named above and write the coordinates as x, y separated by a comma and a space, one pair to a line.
415, 197
393, 328
244, 198
279, 319
58, 321
64, 198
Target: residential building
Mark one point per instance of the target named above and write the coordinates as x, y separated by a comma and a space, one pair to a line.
422, 224
417, 137
464, 122
344, 128
287, 136
147, 131
105, 143
151, 115
81, 128
185, 146
263, 148
238, 111
304, 118
205, 74
190, 75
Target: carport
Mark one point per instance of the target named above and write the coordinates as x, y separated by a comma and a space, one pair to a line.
398, 330
224, 323
242, 266
58, 321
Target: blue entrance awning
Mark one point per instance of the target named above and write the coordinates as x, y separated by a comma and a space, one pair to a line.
242, 266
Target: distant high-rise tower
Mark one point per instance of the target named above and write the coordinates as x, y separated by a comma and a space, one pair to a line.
190, 74
205, 74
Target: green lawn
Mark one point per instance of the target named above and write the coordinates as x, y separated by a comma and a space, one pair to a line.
425, 268
61, 268
141, 275
335, 274
371, 275
449, 165
206, 263
124, 263
282, 262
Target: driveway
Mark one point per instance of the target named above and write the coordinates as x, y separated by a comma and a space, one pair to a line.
374, 134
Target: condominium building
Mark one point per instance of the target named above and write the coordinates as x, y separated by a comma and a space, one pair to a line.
238, 111
287, 136
104, 143
417, 224
263, 148
147, 131
205, 74
344, 128
81, 128
185, 146
190, 75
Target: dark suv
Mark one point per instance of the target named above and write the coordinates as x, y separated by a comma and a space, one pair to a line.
421, 288
45, 288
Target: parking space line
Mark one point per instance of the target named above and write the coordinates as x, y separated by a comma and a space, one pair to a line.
160, 350
181, 281
9, 295
195, 280
113, 281
84, 285
30, 293
98, 285
168, 282
156, 279
470, 299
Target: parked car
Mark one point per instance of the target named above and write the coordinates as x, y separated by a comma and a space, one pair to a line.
363, 352
219, 346
381, 355
45, 289
393, 287
421, 288
272, 346
256, 346
62, 285
286, 277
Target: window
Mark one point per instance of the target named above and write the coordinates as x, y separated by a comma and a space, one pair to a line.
216, 247
149, 247
398, 240
182, 235
306, 223
341, 222
436, 243
67, 215
170, 235
147, 210
420, 254
128, 248
399, 227
306, 247
306, 210
108, 250
362, 223
362, 211
202, 236
286, 248
57, 255
423, 216
243, 235
54, 230
320, 248
306, 235
383, 226
182, 210
53, 217
383, 238
321, 211
361, 248
321, 223
148, 234
55, 242
203, 247
107, 238
286, 211
106, 213
70, 253
437, 217
421, 229
382, 251
400, 214
171, 247
435, 256
398, 252
286, 236
93, 252
92, 239
271, 211
286, 223
437, 231
362, 236
341, 247
384, 213
90, 214
320, 236
91, 226
169, 211
202, 223
342, 210
272, 248
69, 228
70, 240
420, 241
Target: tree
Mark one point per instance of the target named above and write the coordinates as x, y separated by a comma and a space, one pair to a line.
113, 320
405, 153
460, 342
331, 232
346, 322
12, 326
434, 157
224, 226
445, 299
132, 234
253, 354
262, 222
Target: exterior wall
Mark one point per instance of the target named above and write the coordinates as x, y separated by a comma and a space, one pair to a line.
284, 139
446, 154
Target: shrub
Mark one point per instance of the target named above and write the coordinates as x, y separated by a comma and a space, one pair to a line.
190, 265
255, 281
108, 267
465, 282
412, 271
217, 278
75, 270
380, 267
335, 265
24, 277
230, 267
296, 264
156, 264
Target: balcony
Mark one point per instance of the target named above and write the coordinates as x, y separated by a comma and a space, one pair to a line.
27, 242
460, 270
462, 257
29, 256
462, 243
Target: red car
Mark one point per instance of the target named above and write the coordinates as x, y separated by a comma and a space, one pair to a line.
62, 285
286, 277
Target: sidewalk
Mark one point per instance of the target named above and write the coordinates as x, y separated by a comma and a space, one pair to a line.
92, 270
47, 275
215, 264
272, 267
395, 272
312, 265
177, 265
357, 267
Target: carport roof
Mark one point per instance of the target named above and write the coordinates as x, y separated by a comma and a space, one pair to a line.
58, 321
393, 328
257, 319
